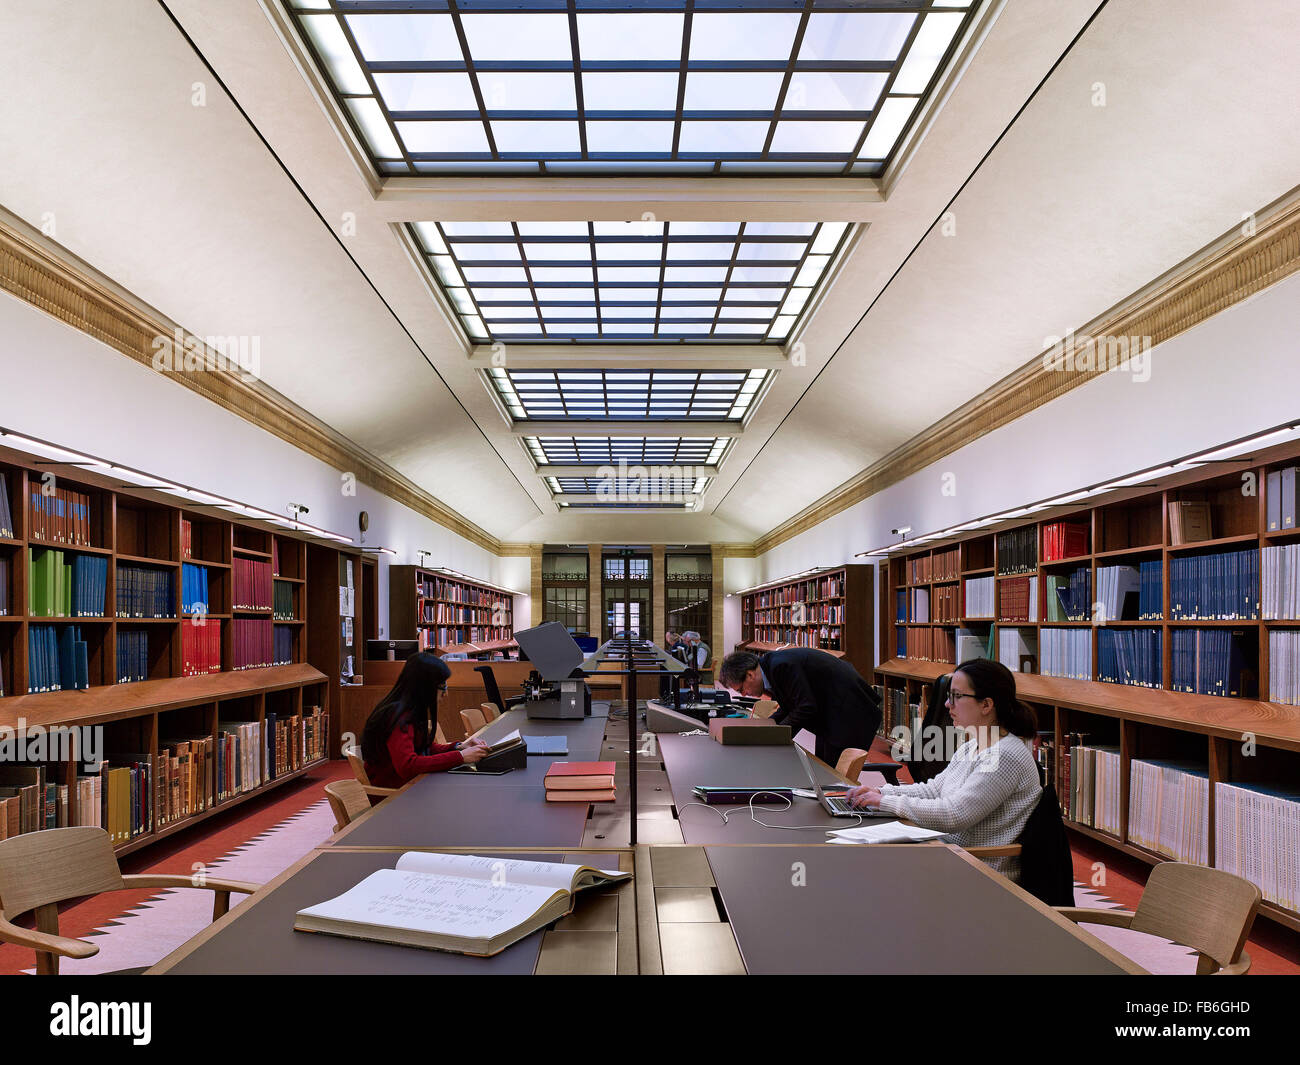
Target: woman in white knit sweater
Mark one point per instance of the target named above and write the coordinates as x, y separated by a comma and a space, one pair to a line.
990, 787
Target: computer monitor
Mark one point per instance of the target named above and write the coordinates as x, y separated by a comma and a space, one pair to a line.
390, 650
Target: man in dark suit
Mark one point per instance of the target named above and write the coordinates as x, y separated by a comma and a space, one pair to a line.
815, 691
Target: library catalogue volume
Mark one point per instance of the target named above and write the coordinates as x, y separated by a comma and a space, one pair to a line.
463, 903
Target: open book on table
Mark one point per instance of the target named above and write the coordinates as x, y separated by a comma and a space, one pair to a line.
458, 902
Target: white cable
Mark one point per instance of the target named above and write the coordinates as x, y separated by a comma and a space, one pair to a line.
726, 814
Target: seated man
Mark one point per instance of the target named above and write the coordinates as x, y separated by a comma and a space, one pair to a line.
697, 651
816, 691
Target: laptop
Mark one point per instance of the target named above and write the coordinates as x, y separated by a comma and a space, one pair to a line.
834, 802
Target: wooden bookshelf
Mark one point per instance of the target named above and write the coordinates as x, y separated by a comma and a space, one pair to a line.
126, 529
832, 610
1207, 731
449, 615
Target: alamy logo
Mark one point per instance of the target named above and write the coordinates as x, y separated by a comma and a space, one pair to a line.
77, 1018
240, 355
1085, 353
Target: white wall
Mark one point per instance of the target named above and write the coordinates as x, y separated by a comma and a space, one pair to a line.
69, 389
1227, 378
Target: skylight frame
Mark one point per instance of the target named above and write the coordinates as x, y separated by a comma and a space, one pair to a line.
498, 281
596, 450
657, 394
577, 157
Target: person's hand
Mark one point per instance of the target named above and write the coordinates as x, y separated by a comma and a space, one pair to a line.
475, 741
865, 795
472, 753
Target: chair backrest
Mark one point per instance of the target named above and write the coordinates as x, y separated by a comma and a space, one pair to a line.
438, 735
472, 719
490, 686
490, 712
923, 765
41, 868
764, 708
850, 763
1206, 909
348, 799
1046, 865
358, 764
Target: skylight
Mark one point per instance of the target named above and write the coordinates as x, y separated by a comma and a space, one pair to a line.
633, 451
730, 282
707, 87
666, 394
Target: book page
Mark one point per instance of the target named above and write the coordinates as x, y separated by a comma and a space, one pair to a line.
552, 875
435, 903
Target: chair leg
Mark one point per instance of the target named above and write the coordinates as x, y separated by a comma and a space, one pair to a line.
46, 919
220, 904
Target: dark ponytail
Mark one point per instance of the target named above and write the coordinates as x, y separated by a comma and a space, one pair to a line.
992, 680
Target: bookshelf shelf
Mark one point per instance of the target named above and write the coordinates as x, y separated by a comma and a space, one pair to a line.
1164, 722
837, 608
449, 615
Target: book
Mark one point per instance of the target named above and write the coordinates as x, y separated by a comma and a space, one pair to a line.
1189, 522
461, 903
591, 795
579, 776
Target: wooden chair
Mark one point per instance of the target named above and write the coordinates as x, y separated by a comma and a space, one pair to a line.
472, 719
1206, 909
38, 870
490, 712
850, 763
348, 799
358, 764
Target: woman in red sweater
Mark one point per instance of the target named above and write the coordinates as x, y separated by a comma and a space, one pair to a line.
395, 742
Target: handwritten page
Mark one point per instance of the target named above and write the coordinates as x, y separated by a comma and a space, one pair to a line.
437, 904
551, 875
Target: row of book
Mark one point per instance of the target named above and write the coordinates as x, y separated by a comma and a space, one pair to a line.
1064, 539
200, 648
252, 643
940, 566
1280, 499
132, 655
29, 802
1017, 648
1280, 581
809, 591
1210, 662
187, 538
1017, 550
945, 601
580, 782
1018, 599
1169, 809
1284, 666
251, 584
145, 592
57, 660
448, 614
1223, 586
801, 614
918, 607
6, 512
62, 516
979, 594
455, 592
66, 584
1257, 836
1130, 656
283, 649
448, 637
929, 645
282, 607
1069, 596
195, 593
1066, 653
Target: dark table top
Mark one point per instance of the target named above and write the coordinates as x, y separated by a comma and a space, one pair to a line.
890, 909
692, 760
259, 937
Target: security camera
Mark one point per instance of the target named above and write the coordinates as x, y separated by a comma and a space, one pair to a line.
903, 531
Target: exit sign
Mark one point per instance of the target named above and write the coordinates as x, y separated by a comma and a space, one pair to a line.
626, 552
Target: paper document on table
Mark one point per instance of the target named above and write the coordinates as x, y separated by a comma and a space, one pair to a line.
893, 832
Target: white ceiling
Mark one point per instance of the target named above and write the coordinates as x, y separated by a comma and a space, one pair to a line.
1077, 207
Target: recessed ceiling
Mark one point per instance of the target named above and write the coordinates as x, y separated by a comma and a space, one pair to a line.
703, 87
621, 282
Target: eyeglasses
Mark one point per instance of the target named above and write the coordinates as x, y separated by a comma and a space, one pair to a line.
954, 696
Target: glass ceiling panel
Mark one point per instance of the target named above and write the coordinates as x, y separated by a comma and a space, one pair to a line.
634, 451
706, 282
476, 86
665, 394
